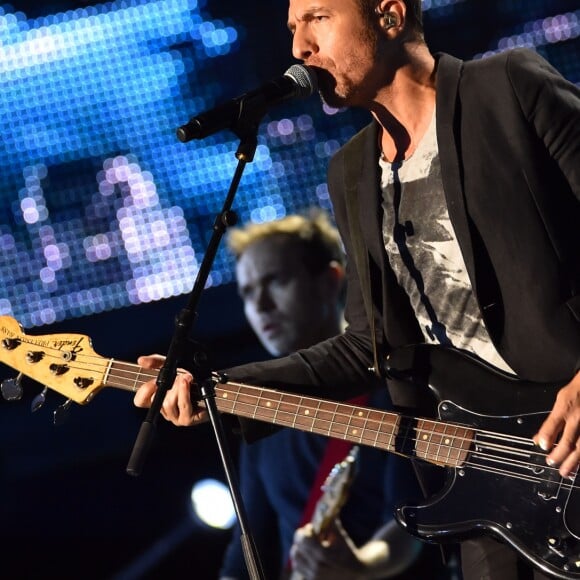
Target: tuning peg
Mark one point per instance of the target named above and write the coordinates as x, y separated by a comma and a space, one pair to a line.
39, 400
12, 389
60, 414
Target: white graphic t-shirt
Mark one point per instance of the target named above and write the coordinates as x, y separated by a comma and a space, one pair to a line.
424, 253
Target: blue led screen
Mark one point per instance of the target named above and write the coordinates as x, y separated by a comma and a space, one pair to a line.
102, 207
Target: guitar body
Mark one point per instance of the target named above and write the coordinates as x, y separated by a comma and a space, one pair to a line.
533, 509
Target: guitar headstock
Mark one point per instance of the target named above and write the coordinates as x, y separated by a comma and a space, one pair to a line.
335, 492
65, 363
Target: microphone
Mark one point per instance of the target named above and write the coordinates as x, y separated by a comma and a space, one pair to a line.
298, 81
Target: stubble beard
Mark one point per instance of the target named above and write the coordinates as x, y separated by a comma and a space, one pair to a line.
342, 90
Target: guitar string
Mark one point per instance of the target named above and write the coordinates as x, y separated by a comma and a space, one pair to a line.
142, 374
435, 456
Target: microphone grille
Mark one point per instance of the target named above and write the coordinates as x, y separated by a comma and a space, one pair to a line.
305, 79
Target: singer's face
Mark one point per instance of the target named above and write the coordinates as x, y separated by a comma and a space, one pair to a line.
287, 306
336, 39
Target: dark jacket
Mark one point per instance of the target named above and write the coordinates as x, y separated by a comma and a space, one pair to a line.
508, 131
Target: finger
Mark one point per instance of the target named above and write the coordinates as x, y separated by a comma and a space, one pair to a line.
307, 555
548, 433
170, 406
303, 532
566, 452
151, 361
331, 535
566, 412
186, 412
178, 407
144, 395
551, 428
569, 467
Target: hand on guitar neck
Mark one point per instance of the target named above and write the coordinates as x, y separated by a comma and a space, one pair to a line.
178, 406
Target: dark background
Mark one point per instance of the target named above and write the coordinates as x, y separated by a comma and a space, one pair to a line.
68, 509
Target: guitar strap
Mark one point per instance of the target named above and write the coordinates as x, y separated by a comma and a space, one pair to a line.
352, 171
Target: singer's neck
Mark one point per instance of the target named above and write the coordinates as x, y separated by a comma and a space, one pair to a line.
404, 106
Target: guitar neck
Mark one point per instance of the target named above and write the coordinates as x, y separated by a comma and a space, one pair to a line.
440, 443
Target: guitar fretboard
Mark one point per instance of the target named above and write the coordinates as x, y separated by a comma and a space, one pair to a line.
436, 442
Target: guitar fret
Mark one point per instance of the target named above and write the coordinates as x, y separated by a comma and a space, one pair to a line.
236, 398
296, 414
333, 419
348, 425
440, 444
356, 422
394, 431
258, 399
435, 442
365, 426
423, 440
264, 405
121, 374
315, 416
377, 433
137, 379
388, 440
450, 447
437, 445
108, 370
276, 411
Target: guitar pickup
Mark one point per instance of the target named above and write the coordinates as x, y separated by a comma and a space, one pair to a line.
59, 369
83, 382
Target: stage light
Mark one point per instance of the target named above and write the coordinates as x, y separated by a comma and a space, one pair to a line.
212, 504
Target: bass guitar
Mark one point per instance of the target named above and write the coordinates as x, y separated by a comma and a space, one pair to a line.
497, 480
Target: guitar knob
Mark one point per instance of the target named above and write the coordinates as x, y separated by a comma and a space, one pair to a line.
34, 356
38, 401
61, 413
12, 389
11, 343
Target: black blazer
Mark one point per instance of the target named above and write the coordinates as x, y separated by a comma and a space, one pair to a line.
508, 131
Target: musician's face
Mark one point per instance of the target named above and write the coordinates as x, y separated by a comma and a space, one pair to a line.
287, 306
342, 46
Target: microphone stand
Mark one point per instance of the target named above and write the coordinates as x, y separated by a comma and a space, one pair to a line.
246, 129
